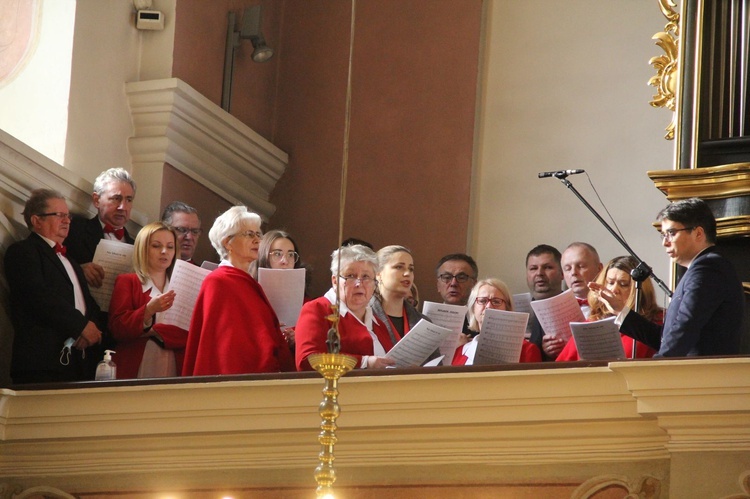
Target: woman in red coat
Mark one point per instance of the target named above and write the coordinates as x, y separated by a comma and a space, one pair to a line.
147, 348
615, 277
233, 329
490, 293
363, 336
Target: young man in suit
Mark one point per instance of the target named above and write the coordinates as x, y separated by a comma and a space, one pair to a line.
114, 192
50, 301
706, 311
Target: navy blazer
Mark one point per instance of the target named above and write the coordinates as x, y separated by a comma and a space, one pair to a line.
704, 317
84, 236
44, 315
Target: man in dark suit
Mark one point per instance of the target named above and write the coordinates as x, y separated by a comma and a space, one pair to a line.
114, 192
706, 311
50, 301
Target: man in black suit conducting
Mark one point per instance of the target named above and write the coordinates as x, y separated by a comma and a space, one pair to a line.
50, 301
114, 192
706, 312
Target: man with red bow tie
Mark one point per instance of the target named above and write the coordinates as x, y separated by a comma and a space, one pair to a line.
114, 192
50, 300
580, 265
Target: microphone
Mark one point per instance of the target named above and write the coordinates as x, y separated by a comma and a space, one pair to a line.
560, 173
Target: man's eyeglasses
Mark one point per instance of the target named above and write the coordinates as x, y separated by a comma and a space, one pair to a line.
495, 302
249, 233
58, 214
669, 234
362, 280
278, 255
460, 277
184, 230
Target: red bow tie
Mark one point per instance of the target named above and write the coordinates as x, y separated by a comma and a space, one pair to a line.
119, 233
582, 302
59, 248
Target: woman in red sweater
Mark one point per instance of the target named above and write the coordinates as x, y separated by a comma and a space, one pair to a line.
147, 348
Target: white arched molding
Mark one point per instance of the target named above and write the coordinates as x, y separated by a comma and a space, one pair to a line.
175, 124
8, 491
640, 488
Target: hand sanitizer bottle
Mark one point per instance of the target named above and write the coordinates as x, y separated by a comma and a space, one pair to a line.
106, 369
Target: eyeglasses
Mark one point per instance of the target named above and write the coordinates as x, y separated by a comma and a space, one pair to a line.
249, 233
278, 255
362, 280
669, 234
460, 277
184, 230
58, 214
495, 302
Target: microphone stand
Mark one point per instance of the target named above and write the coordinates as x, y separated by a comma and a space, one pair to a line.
641, 272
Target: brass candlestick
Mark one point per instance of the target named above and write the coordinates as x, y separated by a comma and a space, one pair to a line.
331, 366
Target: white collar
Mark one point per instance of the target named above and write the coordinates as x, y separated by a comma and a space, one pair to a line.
343, 309
149, 285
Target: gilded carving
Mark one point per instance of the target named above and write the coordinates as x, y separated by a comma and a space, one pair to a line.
744, 481
666, 65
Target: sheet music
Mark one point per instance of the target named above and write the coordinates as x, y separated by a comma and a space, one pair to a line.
555, 314
522, 303
598, 340
501, 338
285, 289
115, 258
209, 265
448, 316
186, 282
418, 344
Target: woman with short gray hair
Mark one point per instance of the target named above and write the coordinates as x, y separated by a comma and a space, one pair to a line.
234, 330
353, 271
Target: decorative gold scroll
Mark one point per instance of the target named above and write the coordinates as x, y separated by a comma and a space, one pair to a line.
666, 78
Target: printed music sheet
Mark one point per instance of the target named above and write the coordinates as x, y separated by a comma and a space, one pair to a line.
598, 340
555, 314
522, 303
116, 258
415, 347
501, 338
186, 282
447, 316
285, 289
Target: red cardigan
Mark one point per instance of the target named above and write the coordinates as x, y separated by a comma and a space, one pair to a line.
312, 331
642, 351
529, 353
126, 311
234, 330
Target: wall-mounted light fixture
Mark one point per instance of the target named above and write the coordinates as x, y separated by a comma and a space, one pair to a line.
250, 30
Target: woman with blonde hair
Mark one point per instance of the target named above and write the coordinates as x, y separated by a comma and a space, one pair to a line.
489, 293
147, 348
615, 277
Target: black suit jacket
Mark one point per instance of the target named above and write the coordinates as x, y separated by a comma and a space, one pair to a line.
83, 237
704, 317
44, 315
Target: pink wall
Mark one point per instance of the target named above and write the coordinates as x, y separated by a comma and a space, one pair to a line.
414, 91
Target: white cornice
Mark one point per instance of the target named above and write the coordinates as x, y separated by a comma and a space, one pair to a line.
175, 124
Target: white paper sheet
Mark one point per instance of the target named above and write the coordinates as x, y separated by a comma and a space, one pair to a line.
555, 314
501, 338
115, 258
598, 340
285, 289
414, 348
186, 282
447, 316
209, 265
522, 303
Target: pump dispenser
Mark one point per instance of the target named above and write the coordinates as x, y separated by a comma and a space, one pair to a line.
106, 369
